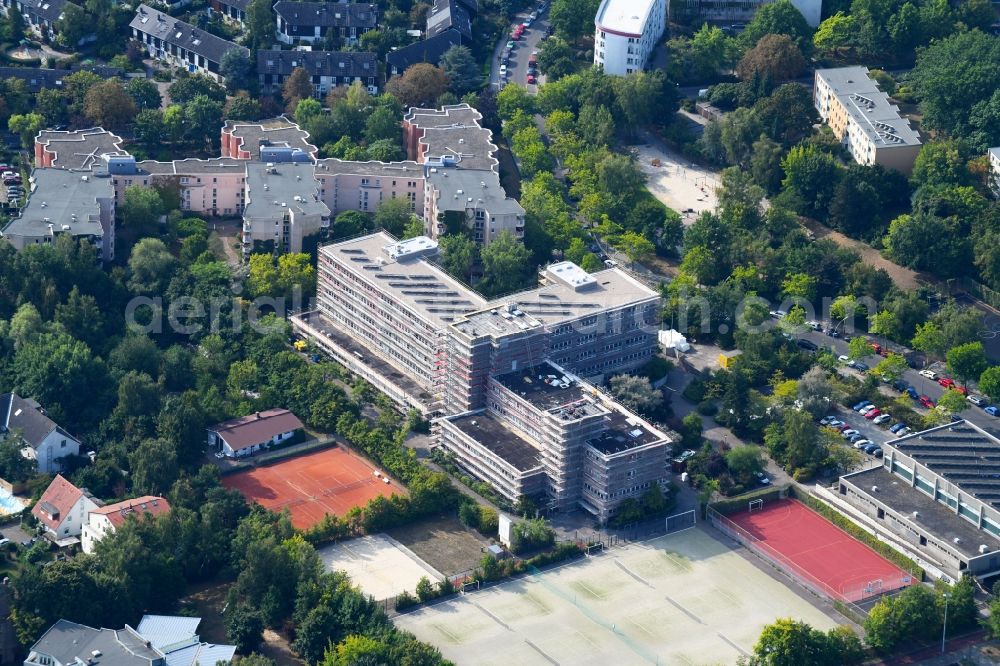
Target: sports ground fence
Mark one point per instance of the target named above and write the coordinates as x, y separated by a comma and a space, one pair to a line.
850, 593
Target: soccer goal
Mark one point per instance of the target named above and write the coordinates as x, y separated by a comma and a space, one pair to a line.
595, 548
681, 521
755, 505
470, 586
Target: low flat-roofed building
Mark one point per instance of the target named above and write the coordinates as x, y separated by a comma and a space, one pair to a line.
84, 149
64, 201
864, 119
364, 185
481, 445
244, 140
282, 206
327, 69
939, 492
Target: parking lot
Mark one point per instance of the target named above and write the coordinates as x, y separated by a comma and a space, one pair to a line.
517, 61
11, 188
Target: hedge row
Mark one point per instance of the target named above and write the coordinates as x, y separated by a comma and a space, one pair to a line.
859, 533
739, 503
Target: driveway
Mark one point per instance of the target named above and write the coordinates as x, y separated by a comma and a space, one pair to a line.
517, 68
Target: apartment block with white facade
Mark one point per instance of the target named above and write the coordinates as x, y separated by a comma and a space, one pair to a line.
864, 119
994, 154
626, 32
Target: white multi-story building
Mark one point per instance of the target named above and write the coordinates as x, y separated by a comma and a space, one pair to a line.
626, 32
995, 170
864, 119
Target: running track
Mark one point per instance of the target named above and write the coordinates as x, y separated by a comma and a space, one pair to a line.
818, 550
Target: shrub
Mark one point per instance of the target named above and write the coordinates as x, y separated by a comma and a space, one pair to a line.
707, 408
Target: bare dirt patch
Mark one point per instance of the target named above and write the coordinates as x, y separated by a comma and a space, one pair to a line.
444, 543
904, 278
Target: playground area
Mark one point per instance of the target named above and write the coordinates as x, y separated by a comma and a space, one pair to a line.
685, 598
330, 481
814, 550
378, 564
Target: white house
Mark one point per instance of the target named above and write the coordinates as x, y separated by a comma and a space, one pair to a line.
107, 519
63, 509
246, 435
626, 32
42, 438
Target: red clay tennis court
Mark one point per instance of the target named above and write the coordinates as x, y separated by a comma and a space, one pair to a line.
816, 551
330, 481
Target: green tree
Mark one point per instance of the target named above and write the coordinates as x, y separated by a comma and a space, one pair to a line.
108, 104
506, 265
26, 126
349, 223
952, 402
837, 36
929, 339
307, 109
459, 254
419, 85
237, 70
635, 246
151, 266
242, 107
461, 69
153, 465
787, 642
635, 393
745, 462
774, 56
260, 25
910, 616
185, 89
573, 19
967, 361
244, 628
144, 93
811, 177
989, 382
778, 18
393, 215
924, 241
891, 367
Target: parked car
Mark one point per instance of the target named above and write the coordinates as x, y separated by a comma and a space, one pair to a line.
926, 402
867, 408
899, 385
844, 426
826, 420
977, 400
946, 382
844, 359
836, 423
854, 438
503, 71
861, 405
880, 419
991, 410
897, 427
870, 449
862, 443
850, 431
955, 418
808, 345
876, 347
778, 314
815, 325
929, 374
530, 78
762, 479
912, 392
877, 452
861, 367
872, 414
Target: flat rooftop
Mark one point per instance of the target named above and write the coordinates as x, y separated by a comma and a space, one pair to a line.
504, 443
931, 515
626, 17
624, 433
365, 355
962, 453
462, 189
280, 132
871, 108
56, 196
272, 189
333, 167
216, 165
453, 134
419, 284
557, 303
544, 386
446, 116
80, 149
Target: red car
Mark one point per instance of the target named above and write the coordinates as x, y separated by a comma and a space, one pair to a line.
960, 389
876, 347
531, 78
872, 414
926, 402
946, 382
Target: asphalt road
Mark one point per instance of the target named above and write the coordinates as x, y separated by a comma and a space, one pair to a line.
923, 386
517, 68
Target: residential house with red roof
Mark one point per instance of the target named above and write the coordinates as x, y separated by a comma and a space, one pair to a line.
107, 519
63, 509
244, 436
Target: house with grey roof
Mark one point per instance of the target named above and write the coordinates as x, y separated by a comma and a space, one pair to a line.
327, 69
40, 16
310, 22
231, 10
181, 44
449, 23
159, 640
42, 439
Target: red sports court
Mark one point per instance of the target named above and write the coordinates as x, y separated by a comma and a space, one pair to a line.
330, 481
815, 550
